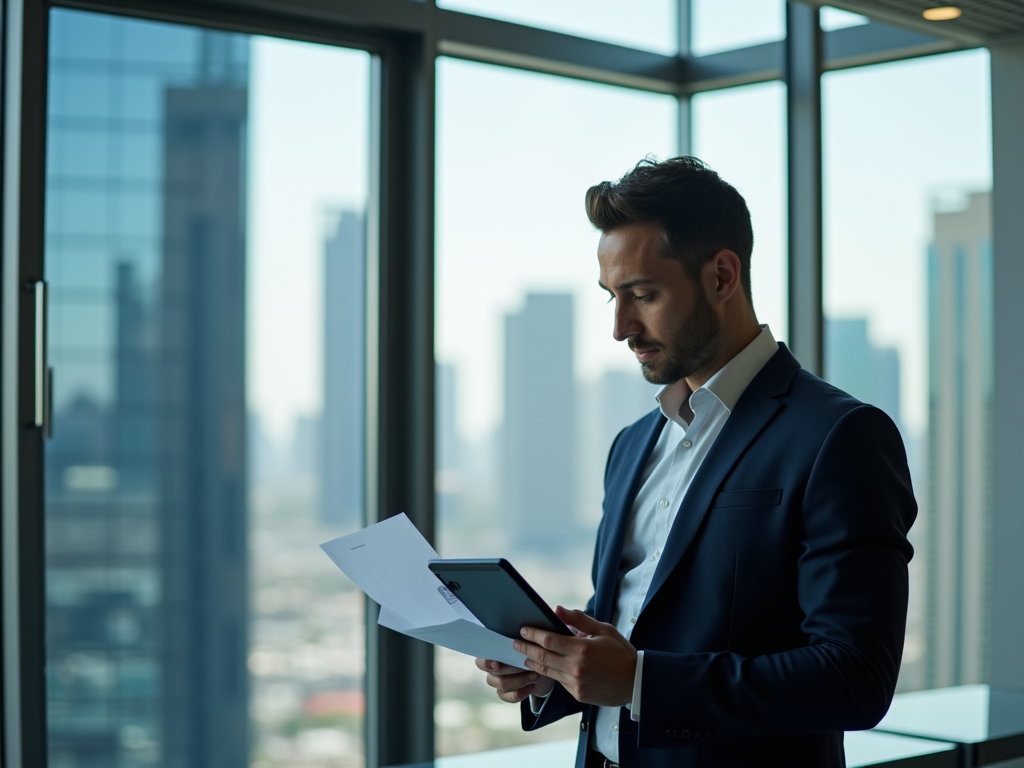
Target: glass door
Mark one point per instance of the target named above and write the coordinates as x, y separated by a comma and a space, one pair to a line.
205, 215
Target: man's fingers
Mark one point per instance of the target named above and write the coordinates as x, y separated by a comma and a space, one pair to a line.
497, 668
507, 683
581, 623
514, 697
549, 641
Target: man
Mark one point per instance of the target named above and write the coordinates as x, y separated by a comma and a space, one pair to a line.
751, 565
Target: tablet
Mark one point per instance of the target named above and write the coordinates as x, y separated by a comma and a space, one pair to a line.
497, 595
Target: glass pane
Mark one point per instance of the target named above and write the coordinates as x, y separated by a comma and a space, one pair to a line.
719, 25
524, 346
907, 282
646, 24
204, 248
832, 19
741, 133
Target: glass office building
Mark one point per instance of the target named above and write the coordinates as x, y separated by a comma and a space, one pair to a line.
146, 484
309, 265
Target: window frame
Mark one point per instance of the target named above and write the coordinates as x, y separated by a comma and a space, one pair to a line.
405, 37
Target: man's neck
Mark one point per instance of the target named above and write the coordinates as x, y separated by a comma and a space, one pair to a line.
734, 343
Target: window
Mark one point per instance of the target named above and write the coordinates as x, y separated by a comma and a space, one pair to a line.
211, 224
720, 25
907, 305
531, 387
205, 254
741, 134
647, 24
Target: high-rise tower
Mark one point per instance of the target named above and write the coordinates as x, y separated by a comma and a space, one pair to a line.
959, 439
856, 365
343, 424
203, 486
538, 462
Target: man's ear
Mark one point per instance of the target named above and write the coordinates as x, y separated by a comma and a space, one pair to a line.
722, 276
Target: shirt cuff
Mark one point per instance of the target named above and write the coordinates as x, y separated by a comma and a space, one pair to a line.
634, 710
537, 702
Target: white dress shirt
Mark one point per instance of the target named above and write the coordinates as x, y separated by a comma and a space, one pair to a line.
694, 421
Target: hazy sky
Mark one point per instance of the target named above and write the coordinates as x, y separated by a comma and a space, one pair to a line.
308, 153
900, 141
517, 150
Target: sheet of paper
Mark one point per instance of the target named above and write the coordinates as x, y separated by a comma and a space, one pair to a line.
388, 561
459, 635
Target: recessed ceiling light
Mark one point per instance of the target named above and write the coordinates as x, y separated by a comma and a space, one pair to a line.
944, 13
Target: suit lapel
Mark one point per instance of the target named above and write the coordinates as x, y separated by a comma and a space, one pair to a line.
755, 409
638, 442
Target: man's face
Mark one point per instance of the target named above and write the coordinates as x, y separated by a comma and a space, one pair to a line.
660, 312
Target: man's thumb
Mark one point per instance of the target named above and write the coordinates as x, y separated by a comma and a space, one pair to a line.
580, 621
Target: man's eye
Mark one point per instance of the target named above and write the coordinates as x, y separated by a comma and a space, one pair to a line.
643, 297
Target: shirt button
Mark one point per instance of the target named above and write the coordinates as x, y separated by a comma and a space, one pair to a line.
633, 620
615, 726
653, 558
663, 503
687, 443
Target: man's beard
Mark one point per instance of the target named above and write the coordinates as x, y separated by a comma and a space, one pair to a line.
692, 348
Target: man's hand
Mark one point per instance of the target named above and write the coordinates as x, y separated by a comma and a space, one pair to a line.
512, 683
596, 667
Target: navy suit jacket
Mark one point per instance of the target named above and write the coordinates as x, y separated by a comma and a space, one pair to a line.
776, 616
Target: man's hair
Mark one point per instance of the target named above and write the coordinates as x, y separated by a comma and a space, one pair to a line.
699, 214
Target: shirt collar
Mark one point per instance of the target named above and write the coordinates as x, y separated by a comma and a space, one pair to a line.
727, 385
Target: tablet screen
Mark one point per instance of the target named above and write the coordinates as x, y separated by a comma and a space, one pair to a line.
497, 595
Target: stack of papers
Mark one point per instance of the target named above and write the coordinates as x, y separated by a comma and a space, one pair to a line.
388, 561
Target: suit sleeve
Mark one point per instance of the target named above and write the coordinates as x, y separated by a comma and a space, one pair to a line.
852, 588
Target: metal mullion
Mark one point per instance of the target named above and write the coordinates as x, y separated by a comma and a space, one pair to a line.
239, 18
803, 101
495, 41
742, 66
400, 419
361, 23
21, 441
369, 16
684, 115
875, 43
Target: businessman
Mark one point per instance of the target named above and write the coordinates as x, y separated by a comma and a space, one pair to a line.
750, 571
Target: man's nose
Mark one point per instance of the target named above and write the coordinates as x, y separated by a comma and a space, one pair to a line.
625, 324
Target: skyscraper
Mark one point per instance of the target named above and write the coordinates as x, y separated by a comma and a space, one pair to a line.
854, 364
343, 424
613, 402
146, 475
203, 485
960, 415
538, 462
448, 453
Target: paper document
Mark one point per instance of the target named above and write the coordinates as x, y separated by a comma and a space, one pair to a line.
388, 561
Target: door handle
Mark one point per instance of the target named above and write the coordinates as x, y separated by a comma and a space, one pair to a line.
44, 373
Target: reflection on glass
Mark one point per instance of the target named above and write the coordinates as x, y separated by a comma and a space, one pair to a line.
182, 528
907, 287
531, 387
645, 24
719, 25
741, 133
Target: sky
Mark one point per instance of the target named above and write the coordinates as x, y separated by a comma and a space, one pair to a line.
515, 154
900, 142
308, 156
